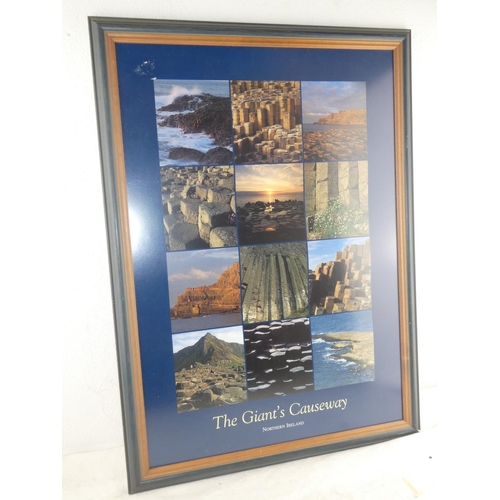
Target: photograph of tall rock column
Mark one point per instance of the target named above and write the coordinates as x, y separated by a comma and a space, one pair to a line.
193, 119
209, 368
204, 289
336, 199
266, 121
279, 358
270, 204
274, 281
198, 207
334, 117
343, 349
339, 275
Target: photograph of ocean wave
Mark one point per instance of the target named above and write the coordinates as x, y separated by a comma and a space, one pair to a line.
193, 122
343, 349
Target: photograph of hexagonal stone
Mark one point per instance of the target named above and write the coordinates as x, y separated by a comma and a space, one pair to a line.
273, 281
343, 349
198, 207
279, 359
266, 121
270, 203
204, 289
193, 119
209, 368
339, 275
334, 121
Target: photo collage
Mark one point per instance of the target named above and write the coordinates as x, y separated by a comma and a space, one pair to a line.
264, 188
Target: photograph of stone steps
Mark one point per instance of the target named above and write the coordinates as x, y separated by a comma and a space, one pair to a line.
279, 359
198, 207
339, 275
274, 281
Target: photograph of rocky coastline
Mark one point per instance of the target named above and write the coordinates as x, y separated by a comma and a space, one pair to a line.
279, 359
335, 126
339, 275
343, 349
209, 368
266, 121
204, 289
270, 204
336, 199
274, 281
198, 207
193, 120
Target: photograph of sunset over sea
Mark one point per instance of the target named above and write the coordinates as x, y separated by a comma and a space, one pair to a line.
270, 203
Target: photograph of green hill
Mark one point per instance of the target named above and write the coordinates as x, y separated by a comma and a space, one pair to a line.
209, 368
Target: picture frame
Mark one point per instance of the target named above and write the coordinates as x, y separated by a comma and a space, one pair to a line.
257, 183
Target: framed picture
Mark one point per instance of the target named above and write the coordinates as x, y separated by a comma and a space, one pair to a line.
258, 193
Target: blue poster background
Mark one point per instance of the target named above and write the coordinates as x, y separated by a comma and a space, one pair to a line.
174, 437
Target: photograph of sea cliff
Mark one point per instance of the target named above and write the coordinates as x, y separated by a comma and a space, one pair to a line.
209, 368
339, 275
279, 358
193, 120
336, 199
335, 127
204, 289
266, 121
270, 203
198, 207
343, 349
274, 281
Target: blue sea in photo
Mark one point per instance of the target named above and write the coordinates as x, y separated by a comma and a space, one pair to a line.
253, 197
331, 369
169, 137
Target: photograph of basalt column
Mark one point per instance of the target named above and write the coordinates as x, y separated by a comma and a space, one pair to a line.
270, 203
274, 281
204, 289
209, 368
343, 349
334, 121
193, 119
266, 121
336, 199
279, 358
339, 275
198, 207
